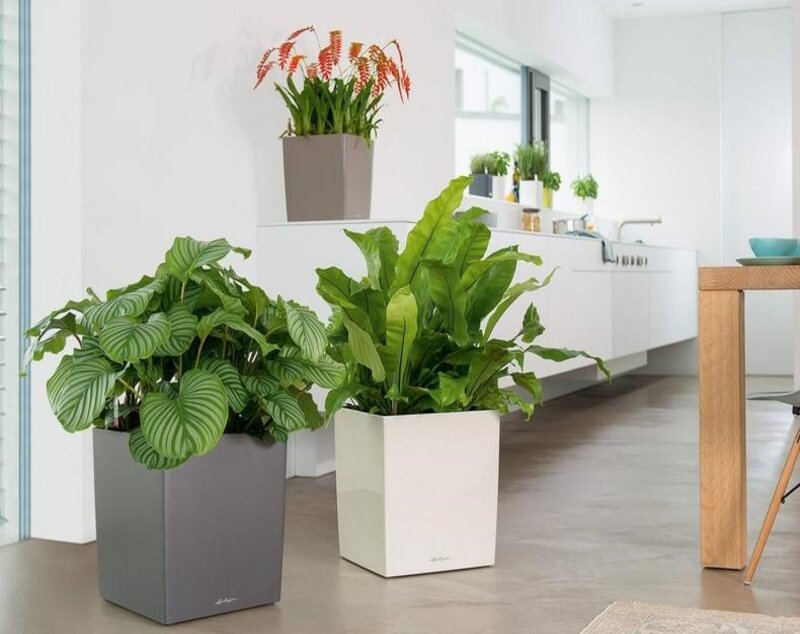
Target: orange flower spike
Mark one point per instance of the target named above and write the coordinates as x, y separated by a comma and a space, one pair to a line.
263, 68
375, 54
325, 63
299, 32
294, 63
284, 52
312, 70
363, 72
335, 46
399, 52
355, 51
406, 84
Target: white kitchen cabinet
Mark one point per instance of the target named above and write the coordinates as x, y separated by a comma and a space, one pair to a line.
630, 316
673, 299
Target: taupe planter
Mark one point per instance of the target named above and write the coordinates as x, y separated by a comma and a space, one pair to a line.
327, 177
202, 539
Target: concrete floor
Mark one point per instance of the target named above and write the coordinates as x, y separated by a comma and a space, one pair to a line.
598, 502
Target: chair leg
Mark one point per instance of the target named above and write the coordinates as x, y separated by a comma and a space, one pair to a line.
772, 511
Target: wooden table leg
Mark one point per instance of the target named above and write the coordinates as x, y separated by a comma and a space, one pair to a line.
723, 475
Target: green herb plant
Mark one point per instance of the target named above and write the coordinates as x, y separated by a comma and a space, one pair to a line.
532, 160
585, 187
551, 181
183, 356
493, 163
498, 163
479, 164
416, 334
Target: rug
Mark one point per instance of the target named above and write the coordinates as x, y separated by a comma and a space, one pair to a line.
631, 617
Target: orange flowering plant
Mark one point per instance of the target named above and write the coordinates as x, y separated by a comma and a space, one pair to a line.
336, 95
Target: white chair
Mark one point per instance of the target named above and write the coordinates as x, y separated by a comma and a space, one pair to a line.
780, 494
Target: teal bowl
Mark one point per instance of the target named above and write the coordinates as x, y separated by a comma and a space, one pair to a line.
774, 247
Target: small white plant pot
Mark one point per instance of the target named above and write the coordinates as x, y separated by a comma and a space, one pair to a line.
499, 187
530, 194
417, 493
586, 206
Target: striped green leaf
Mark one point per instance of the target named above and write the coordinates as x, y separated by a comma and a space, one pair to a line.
285, 410
182, 331
78, 391
325, 372
190, 423
125, 339
363, 349
145, 455
187, 255
306, 330
215, 281
286, 370
238, 396
130, 304
89, 349
261, 384
222, 317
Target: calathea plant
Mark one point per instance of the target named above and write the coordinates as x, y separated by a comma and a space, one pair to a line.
183, 356
416, 334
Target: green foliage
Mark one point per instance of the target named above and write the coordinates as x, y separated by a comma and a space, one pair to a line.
532, 160
423, 342
493, 163
479, 164
585, 187
331, 107
552, 181
186, 355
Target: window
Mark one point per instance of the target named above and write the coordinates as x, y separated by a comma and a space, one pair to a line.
488, 103
569, 141
14, 138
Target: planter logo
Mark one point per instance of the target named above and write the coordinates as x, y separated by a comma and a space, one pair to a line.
437, 559
225, 600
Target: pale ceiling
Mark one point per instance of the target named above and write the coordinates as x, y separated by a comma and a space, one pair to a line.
625, 8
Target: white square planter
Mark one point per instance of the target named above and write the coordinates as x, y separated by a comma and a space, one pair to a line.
417, 493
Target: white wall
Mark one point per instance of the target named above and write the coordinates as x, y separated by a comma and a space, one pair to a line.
61, 494
697, 133
145, 127
570, 40
757, 167
655, 146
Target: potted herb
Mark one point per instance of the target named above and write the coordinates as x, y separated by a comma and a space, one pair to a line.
192, 379
481, 184
417, 441
497, 168
333, 104
551, 183
489, 174
586, 189
532, 162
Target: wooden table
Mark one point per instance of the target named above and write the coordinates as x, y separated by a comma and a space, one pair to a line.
723, 472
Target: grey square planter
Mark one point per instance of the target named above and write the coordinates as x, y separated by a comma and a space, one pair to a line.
327, 177
481, 185
202, 539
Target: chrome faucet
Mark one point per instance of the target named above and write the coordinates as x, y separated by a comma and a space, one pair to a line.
636, 221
